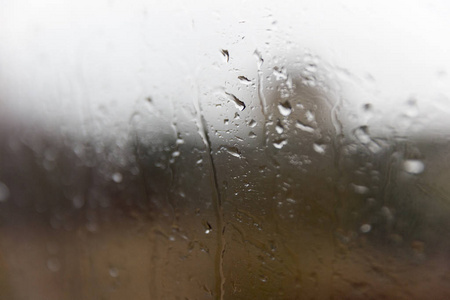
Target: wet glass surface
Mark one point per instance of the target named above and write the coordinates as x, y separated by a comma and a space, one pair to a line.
235, 151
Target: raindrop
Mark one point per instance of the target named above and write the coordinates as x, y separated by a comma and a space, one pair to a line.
208, 227
225, 121
233, 151
280, 143
225, 54
413, 166
239, 104
114, 272
285, 108
78, 201
311, 68
259, 59
53, 264
280, 73
244, 80
290, 200
179, 140
319, 148
360, 189
310, 116
117, 177
303, 127
4, 192
279, 127
252, 135
368, 107
252, 123
365, 228
362, 134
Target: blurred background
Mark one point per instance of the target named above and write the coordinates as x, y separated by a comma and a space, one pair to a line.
237, 150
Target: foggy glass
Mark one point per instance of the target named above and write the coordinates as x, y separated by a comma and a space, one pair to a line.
224, 151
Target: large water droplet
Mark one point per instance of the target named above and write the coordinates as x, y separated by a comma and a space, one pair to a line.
233, 151
244, 80
362, 134
114, 272
280, 143
280, 73
208, 227
365, 228
117, 177
413, 166
304, 127
259, 59
319, 148
285, 108
279, 127
238, 103
360, 189
225, 54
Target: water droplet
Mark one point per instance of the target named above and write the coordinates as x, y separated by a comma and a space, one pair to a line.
4, 192
360, 189
114, 272
413, 166
280, 143
179, 140
117, 177
290, 200
78, 201
368, 107
225, 54
303, 127
365, 228
319, 148
226, 121
259, 59
252, 135
280, 73
279, 127
233, 151
252, 123
311, 68
362, 134
175, 153
244, 80
53, 264
208, 227
238, 103
285, 108
310, 116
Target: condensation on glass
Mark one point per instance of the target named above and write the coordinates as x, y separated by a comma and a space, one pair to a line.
236, 151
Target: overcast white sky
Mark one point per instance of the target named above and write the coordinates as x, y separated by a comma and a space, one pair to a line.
61, 60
